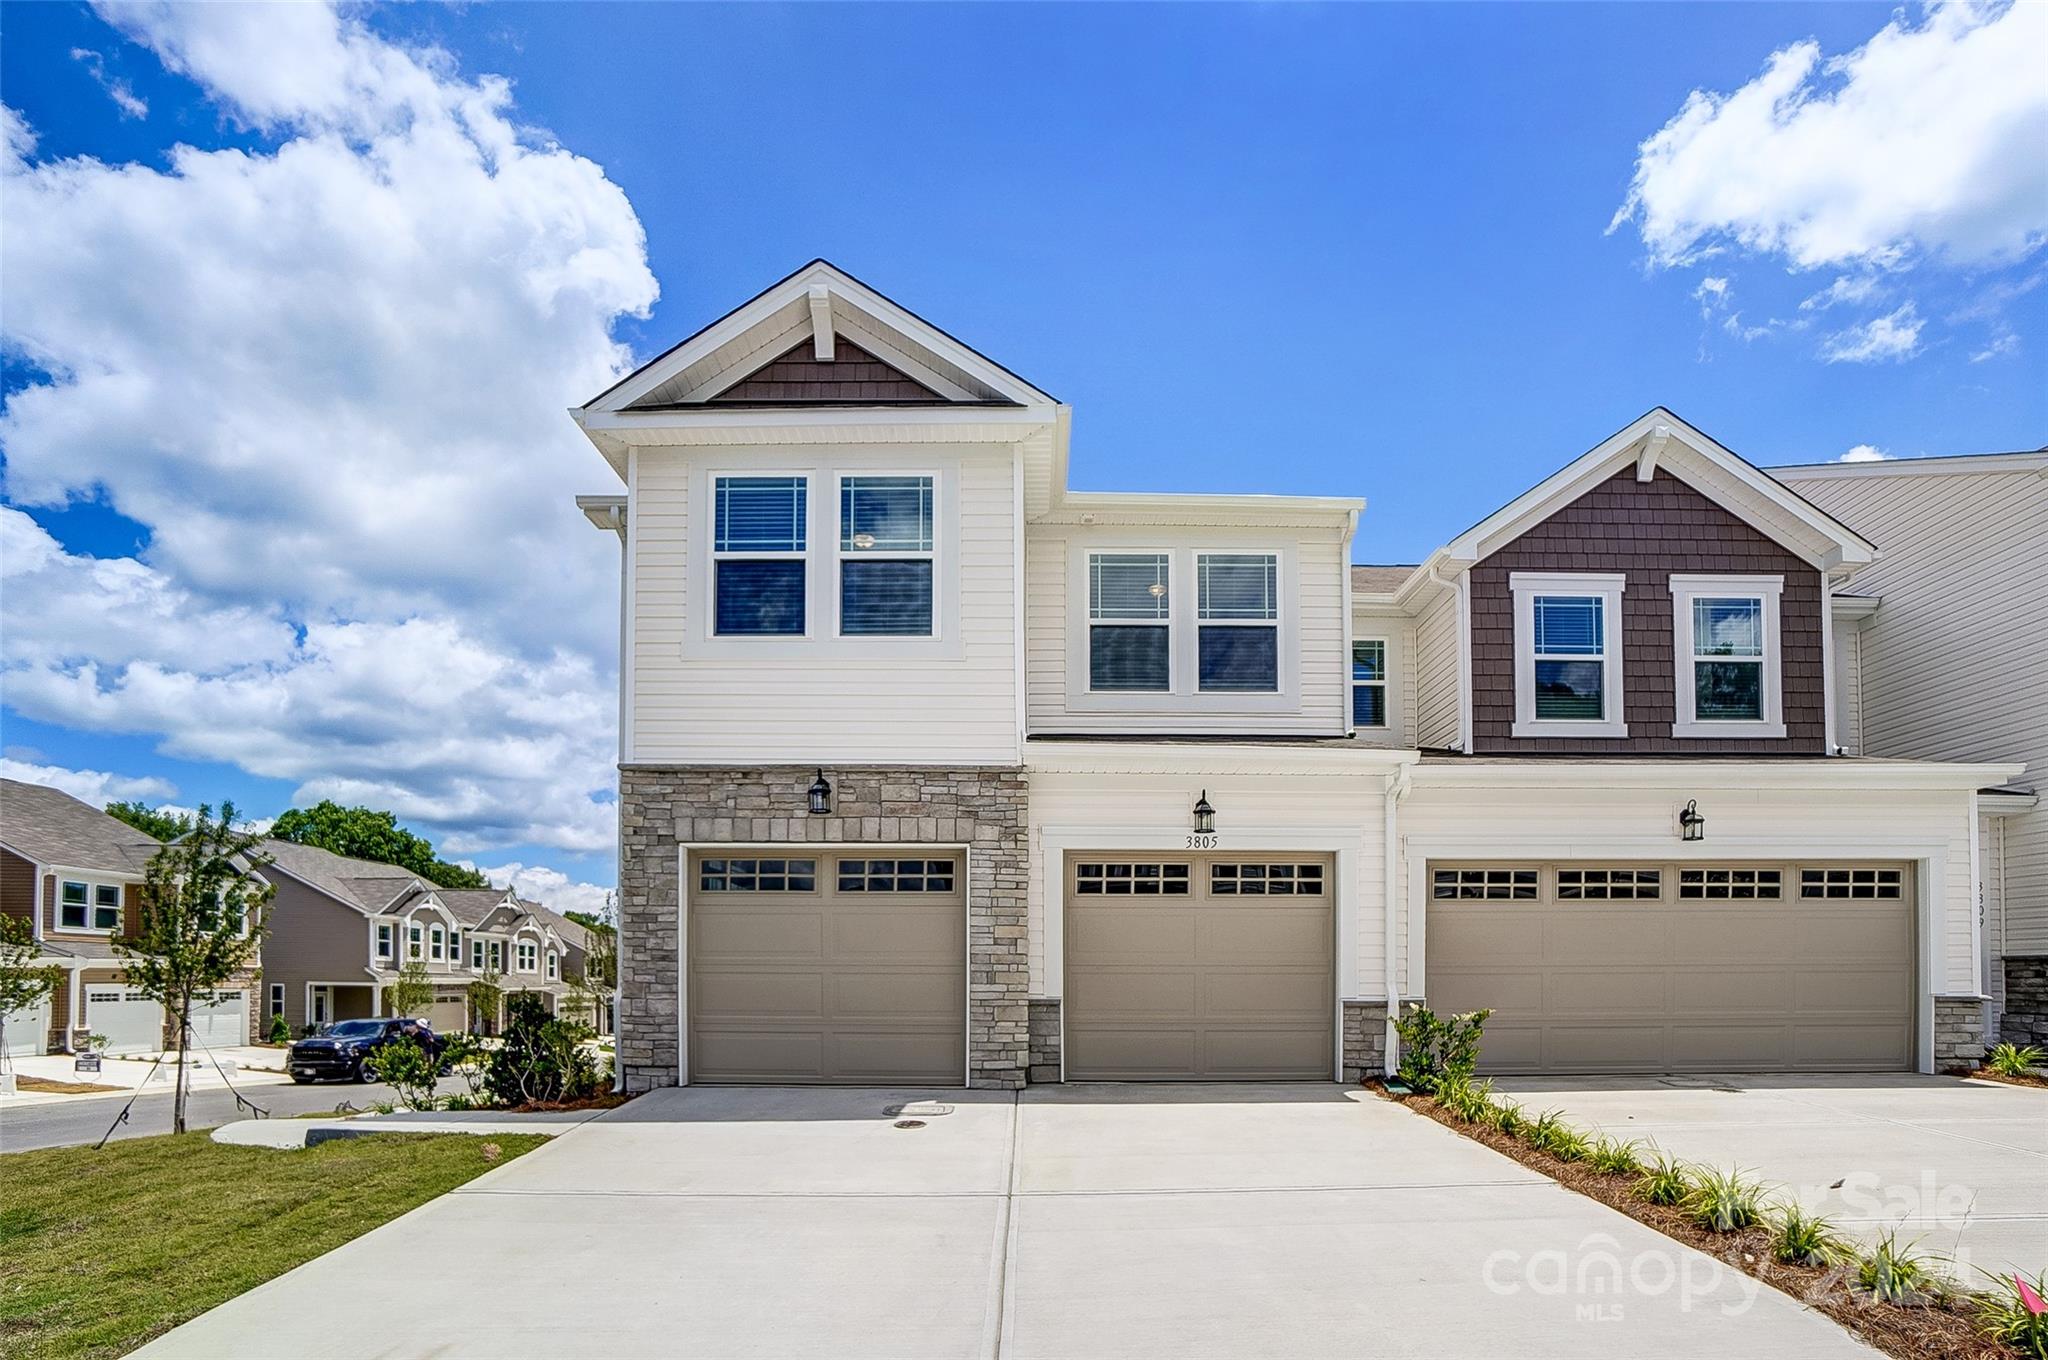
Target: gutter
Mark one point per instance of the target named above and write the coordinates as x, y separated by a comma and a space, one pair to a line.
1397, 789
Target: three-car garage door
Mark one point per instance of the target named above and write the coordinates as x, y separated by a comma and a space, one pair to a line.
828, 968
1199, 967
1678, 967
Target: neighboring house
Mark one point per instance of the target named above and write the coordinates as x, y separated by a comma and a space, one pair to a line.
1943, 655
341, 930
75, 872
934, 770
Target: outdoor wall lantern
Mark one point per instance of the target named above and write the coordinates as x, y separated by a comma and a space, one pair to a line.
1205, 816
1690, 824
821, 794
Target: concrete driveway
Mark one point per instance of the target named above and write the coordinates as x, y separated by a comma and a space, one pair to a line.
1068, 1222
1959, 1165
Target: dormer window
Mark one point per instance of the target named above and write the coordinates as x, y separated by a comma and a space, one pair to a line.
886, 552
758, 562
1568, 655
1369, 683
554, 965
529, 956
1725, 644
412, 942
437, 943
383, 939
1237, 608
1130, 622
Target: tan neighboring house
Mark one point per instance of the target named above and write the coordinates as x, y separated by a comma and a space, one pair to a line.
75, 873
342, 929
1943, 655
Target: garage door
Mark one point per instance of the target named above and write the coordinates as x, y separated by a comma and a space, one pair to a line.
129, 1021
1199, 968
828, 969
1678, 968
448, 1014
221, 1021
28, 1029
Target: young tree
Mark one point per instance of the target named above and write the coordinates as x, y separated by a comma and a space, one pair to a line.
201, 920
598, 981
161, 823
486, 994
23, 981
413, 992
365, 833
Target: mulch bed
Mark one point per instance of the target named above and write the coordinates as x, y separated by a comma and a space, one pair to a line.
52, 1086
610, 1100
2025, 1079
1943, 1331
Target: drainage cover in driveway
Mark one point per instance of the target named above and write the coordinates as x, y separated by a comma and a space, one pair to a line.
922, 1109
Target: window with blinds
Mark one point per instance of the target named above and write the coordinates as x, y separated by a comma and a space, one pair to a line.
887, 554
758, 549
1130, 623
1237, 609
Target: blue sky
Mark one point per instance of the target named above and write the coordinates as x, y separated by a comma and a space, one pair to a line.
1368, 248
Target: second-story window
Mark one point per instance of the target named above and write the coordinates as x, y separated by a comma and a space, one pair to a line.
886, 552
1369, 682
476, 954
554, 965
529, 956
455, 946
757, 556
1237, 608
1130, 628
1725, 644
412, 942
89, 906
437, 943
383, 940
1568, 655
497, 956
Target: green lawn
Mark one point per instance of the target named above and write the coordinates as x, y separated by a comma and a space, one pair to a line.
100, 1251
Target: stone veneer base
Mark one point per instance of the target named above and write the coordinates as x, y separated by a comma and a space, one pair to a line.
663, 809
2025, 1020
1958, 1032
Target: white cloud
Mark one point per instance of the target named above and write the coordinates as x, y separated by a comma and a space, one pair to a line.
329, 379
97, 787
1864, 453
1890, 337
2001, 344
1848, 289
1926, 139
131, 104
551, 888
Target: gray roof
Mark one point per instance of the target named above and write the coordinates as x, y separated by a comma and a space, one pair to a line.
358, 882
573, 933
471, 906
1379, 580
49, 826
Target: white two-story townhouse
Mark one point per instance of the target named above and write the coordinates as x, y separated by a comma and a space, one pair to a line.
935, 771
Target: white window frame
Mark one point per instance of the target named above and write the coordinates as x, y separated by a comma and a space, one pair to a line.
415, 936
476, 954
1609, 587
807, 556
554, 965
454, 947
437, 944
1384, 685
1171, 623
1273, 623
527, 954
276, 1006
92, 906
1685, 661
498, 957
385, 943
936, 556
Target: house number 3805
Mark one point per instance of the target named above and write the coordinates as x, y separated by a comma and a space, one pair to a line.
1202, 841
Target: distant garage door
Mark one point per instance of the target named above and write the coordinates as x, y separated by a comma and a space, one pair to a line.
220, 1020
835, 969
1198, 968
129, 1021
27, 1029
1678, 968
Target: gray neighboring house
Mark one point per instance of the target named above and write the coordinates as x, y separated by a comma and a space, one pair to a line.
1943, 655
342, 929
75, 872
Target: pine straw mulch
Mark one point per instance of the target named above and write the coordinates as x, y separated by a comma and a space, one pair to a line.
1937, 1331
2024, 1079
610, 1100
53, 1086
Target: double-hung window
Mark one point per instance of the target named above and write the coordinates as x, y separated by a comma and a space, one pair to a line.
412, 942
1725, 644
497, 956
1237, 609
476, 954
89, 906
886, 556
554, 965
383, 940
758, 562
437, 941
1568, 655
529, 956
1369, 682
455, 947
1130, 622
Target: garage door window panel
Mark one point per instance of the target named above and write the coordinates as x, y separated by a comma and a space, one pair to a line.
897, 875
1568, 674
1851, 884
1117, 878
1729, 885
1266, 880
1484, 885
758, 875
1609, 885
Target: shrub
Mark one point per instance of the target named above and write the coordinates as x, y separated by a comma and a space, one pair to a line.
2012, 1060
1665, 1181
541, 1059
1802, 1239
1436, 1047
465, 1058
2014, 1312
1725, 1201
1891, 1273
279, 1032
1463, 1100
1616, 1158
407, 1069
1508, 1118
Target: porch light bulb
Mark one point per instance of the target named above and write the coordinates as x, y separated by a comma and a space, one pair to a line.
863, 540
1205, 816
1155, 590
821, 794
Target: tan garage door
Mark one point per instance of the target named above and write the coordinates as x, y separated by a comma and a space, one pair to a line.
1678, 968
828, 968
1199, 967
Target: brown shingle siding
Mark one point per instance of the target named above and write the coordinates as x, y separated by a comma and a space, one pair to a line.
852, 375
1647, 531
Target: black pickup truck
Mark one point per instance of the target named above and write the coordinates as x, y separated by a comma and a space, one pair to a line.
340, 1050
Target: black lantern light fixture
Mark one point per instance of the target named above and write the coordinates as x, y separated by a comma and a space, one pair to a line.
1205, 816
1691, 825
821, 794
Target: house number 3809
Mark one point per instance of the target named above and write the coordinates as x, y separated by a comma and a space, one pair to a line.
1203, 841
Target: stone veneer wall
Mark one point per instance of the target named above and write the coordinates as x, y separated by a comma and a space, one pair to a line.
1365, 1040
1958, 1033
1045, 1039
2026, 1001
660, 810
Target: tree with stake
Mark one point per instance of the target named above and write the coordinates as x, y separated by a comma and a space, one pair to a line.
201, 921
23, 981
413, 990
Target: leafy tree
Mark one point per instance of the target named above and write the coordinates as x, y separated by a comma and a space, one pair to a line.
597, 982
485, 995
23, 981
412, 992
364, 833
201, 920
161, 823
409, 1070
541, 1060
591, 920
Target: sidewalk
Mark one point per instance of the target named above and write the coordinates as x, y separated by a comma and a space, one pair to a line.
132, 1072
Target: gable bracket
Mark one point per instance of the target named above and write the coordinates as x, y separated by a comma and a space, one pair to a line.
821, 322
1653, 449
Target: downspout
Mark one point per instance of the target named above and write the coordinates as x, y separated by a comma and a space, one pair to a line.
620, 520
1397, 789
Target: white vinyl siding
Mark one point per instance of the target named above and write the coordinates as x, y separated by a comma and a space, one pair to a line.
945, 700
1397, 631
1437, 718
1955, 660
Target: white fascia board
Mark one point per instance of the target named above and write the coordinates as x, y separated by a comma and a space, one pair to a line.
1819, 773
2006, 802
1969, 464
1141, 507
726, 425
604, 512
1852, 607
1224, 758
